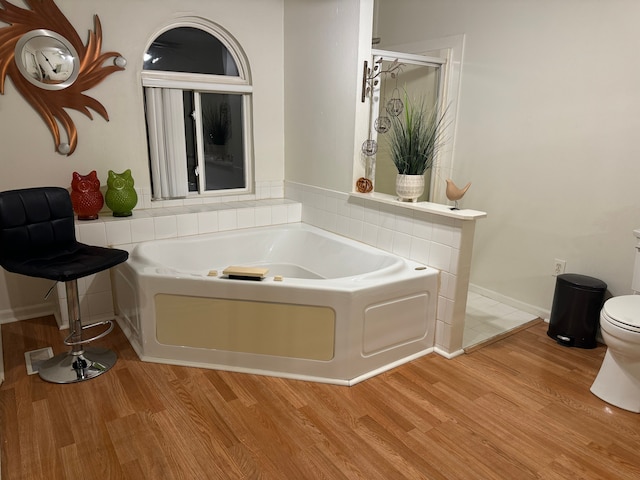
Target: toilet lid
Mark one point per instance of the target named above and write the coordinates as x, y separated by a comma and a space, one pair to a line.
624, 310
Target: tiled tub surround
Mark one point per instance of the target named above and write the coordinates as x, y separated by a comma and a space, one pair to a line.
424, 232
427, 233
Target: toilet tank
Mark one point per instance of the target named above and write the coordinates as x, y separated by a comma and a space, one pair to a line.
635, 284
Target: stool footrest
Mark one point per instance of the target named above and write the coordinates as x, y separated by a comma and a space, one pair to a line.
67, 340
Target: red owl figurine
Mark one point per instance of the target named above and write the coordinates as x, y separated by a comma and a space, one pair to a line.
86, 198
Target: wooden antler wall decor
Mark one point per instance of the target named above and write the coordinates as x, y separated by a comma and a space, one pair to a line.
50, 66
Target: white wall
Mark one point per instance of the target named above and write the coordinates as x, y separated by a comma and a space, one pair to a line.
28, 157
324, 42
548, 125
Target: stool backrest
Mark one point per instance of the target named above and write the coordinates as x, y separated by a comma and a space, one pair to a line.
34, 221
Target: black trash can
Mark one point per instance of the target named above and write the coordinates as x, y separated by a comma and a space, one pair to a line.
575, 313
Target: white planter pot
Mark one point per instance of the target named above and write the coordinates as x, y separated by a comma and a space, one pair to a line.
409, 187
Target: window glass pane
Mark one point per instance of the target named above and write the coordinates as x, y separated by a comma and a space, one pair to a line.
223, 141
189, 50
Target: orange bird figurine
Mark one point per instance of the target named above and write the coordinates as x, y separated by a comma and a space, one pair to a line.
454, 193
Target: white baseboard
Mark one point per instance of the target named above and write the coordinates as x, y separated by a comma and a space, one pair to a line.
512, 302
26, 313
448, 355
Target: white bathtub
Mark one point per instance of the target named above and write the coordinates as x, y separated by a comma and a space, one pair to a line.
329, 309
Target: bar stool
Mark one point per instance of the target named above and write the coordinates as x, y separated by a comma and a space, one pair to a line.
37, 239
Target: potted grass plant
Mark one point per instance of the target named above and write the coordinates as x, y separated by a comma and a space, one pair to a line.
415, 138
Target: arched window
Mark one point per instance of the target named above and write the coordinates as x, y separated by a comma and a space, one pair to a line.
197, 92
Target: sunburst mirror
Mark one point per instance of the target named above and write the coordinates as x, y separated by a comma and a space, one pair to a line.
47, 62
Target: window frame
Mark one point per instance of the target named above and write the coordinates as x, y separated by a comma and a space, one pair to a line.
210, 83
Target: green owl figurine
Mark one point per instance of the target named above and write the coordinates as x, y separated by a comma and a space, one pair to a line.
121, 197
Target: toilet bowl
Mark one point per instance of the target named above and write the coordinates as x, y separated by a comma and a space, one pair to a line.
618, 381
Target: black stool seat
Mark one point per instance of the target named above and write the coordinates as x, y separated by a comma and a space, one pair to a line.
38, 239
70, 264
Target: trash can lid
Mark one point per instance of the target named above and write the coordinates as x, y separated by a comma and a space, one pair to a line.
582, 281
624, 309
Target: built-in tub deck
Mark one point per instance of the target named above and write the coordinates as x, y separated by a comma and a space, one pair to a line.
329, 309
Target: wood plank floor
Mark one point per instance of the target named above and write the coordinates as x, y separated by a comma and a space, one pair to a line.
519, 408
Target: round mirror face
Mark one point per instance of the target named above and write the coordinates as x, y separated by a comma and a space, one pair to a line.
47, 60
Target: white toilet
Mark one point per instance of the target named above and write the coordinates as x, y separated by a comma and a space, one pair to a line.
618, 381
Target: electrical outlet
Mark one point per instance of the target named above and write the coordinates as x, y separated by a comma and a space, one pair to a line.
558, 267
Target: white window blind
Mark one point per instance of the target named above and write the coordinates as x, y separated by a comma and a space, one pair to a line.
167, 146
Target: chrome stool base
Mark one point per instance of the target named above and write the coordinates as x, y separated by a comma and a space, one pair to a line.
73, 367
81, 363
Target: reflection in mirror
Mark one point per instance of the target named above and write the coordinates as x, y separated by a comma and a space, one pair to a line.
47, 59
421, 82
